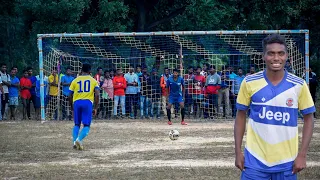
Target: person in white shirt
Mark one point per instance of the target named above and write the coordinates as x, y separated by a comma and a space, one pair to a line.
6, 82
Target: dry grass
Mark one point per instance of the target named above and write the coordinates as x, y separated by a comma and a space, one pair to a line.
126, 149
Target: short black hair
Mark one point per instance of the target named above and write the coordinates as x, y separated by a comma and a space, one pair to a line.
138, 66
207, 64
29, 68
105, 71
25, 70
273, 38
175, 70
68, 68
99, 68
199, 68
240, 68
3, 64
190, 67
213, 66
86, 68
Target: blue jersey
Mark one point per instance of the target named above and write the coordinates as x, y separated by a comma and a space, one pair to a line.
66, 79
14, 91
175, 86
272, 130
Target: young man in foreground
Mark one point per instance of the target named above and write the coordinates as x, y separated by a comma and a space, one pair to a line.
275, 97
83, 91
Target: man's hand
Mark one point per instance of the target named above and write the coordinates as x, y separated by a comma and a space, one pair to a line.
299, 163
239, 161
94, 113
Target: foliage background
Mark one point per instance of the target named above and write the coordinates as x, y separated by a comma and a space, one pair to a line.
22, 20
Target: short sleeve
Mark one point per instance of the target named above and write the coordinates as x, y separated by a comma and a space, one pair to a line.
167, 83
50, 79
244, 96
305, 102
96, 85
72, 85
219, 80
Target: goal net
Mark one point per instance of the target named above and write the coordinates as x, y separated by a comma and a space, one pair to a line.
153, 57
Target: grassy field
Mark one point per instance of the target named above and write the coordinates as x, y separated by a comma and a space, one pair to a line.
126, 149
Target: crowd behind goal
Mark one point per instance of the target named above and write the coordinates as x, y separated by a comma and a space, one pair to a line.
210, 92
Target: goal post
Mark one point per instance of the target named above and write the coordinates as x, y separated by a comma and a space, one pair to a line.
159, 50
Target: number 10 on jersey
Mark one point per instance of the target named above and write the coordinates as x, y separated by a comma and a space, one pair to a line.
84, 86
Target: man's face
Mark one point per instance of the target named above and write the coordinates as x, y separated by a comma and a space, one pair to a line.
166, 71
30, 72
54, 72
119, 72
107, 74
69, 72
205, 67
252, 70
100, 72
112, 73
138, 69
190, 70
275, 57
144, 70
13, 73
131, 69
231, 69
3, 68
16, 70
175, 74
26, 74
240, 72
198, 71
211, 70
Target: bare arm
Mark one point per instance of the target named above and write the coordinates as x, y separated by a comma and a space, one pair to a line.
239, 129
71, 100
96, 98
300, 161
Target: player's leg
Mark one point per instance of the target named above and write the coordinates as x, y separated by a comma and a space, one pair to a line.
86, 117
77, 122
251, 174
115, 107
169, 111
286, 175
181, 103
123, 105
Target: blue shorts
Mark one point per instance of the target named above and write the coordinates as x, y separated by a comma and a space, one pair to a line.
13, 101
250, 174
175, 99
82, 112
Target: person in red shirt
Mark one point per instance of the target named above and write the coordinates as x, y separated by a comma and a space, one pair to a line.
119, 85
198, 96
25, 85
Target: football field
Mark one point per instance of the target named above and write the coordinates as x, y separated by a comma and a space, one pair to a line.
126, 149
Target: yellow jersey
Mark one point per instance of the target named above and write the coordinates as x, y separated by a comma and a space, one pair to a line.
272, 130
53, 90
83, 87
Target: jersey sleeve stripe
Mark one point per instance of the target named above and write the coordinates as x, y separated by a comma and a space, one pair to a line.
242, 107
308, 110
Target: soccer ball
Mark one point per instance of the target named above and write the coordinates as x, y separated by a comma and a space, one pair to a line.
174, 134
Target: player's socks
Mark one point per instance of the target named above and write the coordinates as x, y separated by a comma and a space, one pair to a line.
84, 133
75, 133
182, 114
169, 114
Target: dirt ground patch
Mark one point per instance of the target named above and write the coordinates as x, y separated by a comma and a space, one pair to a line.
126, 149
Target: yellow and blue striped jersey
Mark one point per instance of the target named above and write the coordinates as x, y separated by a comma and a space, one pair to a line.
83, 87
272, 129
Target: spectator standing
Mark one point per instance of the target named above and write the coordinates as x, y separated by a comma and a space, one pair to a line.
119, 85
33, 80
235, 90
107, 96
53, 93
131, 93
13, 94
154, 93
66, 82
25, 86
213, 84
6, 82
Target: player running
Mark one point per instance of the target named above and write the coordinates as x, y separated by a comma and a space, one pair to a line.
275, 97
83, 91
175, 95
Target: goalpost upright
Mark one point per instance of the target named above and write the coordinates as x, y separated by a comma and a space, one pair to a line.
41, 37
